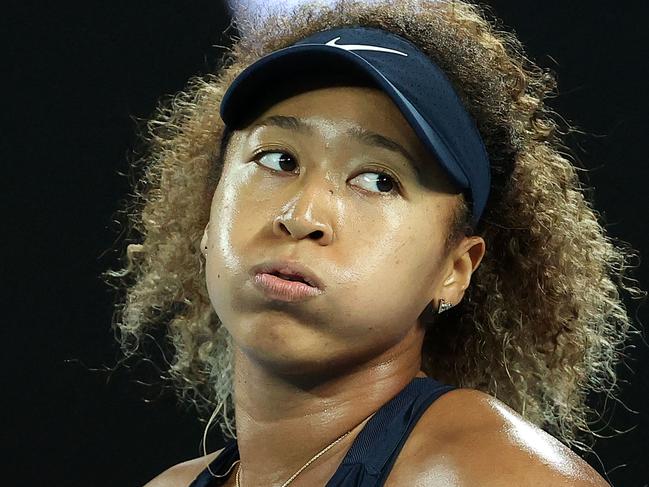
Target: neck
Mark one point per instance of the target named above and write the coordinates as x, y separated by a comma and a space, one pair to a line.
283, 421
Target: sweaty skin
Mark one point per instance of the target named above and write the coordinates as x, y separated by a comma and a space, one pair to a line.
309, 371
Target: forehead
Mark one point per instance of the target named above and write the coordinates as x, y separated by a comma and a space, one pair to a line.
338, 106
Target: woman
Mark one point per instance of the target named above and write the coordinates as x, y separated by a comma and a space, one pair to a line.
458, 295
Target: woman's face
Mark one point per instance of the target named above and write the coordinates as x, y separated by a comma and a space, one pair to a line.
306, 188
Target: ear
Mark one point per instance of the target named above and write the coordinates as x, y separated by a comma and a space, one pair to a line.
204, 240
462, 262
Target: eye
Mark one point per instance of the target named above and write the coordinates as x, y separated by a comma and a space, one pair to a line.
384, 181
283, 159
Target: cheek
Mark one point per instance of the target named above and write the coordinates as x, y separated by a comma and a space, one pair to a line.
236, 213
379, 291
390, 293
396, 286
223, 260
235, 249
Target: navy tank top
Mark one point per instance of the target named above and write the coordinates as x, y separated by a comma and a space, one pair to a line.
375, 449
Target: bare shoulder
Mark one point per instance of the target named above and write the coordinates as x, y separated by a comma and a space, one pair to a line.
471, 438
182, 474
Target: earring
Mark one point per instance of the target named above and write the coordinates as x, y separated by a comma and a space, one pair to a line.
443, 306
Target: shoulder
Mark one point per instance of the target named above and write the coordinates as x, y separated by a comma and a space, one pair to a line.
472, 438
183, 473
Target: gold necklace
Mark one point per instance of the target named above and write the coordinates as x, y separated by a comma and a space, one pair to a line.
313, 459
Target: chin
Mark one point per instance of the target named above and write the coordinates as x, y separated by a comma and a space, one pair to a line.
307, 365
295, 366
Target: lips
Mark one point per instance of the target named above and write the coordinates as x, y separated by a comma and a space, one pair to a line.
291, 277
290, 271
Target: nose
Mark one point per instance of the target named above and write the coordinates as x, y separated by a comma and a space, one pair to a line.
300, 227
299, 221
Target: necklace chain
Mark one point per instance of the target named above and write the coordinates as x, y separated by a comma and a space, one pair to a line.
313, 459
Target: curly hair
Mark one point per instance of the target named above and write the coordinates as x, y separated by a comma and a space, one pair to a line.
542, 324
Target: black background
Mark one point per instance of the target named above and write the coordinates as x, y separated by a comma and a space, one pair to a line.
78, 73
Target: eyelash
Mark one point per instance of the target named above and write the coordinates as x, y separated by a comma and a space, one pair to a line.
381, 172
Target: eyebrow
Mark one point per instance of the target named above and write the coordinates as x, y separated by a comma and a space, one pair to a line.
361, 134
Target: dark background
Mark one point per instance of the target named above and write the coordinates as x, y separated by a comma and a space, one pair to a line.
78, 73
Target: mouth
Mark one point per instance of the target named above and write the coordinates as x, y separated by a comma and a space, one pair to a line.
288, 281
289, 277
291, 271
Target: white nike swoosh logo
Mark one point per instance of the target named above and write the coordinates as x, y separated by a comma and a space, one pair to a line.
361, 47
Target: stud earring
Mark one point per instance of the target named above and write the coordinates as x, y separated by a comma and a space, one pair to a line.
443, 306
